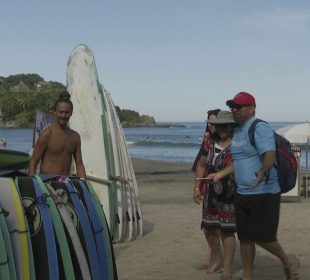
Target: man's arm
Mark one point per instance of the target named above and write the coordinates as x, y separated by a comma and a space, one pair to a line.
268, 162
38, 151
265, 145
80, 169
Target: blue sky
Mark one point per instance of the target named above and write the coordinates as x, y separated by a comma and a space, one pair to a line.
173, 60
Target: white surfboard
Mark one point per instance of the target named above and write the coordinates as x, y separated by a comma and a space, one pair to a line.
119, 229
85, 91
135, 195
127, 205
129, 178
71, 228
127, 227
104, 149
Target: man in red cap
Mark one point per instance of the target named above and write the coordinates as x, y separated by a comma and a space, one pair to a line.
257, 201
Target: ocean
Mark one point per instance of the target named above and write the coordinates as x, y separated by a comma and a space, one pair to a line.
179, 143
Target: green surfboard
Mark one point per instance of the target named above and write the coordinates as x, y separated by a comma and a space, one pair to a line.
59, 232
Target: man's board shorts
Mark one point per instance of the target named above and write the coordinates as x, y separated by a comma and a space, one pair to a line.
257, 217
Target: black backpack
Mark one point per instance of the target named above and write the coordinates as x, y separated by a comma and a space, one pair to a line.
286, 163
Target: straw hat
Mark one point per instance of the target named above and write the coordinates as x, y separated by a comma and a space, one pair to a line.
223, 117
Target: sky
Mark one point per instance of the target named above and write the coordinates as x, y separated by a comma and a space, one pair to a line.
170, 59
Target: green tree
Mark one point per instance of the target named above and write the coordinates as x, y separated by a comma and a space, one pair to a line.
22, 107
129, 116
12, 104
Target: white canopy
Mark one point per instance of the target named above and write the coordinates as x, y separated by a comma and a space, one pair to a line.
296, 133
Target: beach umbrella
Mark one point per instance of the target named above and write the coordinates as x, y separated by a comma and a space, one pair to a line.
299, 135
296, 133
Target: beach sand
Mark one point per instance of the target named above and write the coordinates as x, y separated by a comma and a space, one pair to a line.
173, 246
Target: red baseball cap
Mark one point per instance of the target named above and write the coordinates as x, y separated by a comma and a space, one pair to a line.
242, 98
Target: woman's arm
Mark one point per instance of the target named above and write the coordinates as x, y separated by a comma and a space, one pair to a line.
217, 176
200, 173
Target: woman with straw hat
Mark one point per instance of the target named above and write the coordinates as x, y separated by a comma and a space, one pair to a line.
218, 209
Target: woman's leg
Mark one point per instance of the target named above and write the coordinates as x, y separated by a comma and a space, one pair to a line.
229, 245
214, 242
210, 257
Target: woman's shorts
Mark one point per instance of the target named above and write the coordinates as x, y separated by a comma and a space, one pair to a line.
257, 217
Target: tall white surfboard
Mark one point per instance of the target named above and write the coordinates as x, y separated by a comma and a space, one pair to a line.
87, 119
120, 225
131, 200
104, 149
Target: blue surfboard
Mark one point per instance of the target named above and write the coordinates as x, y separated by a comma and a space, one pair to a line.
41, 228
97, 227
106, 232
65, 260
69, 195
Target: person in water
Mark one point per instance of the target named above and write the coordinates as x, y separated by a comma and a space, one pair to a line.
57, 144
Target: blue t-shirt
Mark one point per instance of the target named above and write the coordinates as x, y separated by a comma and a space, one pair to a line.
247, 160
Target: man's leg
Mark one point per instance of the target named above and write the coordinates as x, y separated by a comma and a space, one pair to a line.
275, 249
247, 250
290, 266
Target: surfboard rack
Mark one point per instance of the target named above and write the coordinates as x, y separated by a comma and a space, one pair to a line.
121, 179
97, 179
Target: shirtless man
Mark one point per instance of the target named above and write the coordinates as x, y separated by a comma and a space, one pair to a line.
58, 143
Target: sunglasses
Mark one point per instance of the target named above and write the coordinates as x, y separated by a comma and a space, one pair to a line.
238, 107
223, 126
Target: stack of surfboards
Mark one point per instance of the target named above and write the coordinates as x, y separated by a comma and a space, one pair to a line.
11, 161
104, 149
53, 230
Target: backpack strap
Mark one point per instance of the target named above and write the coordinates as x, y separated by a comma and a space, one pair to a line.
251, 133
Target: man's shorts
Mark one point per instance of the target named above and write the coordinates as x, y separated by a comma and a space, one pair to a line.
257, 217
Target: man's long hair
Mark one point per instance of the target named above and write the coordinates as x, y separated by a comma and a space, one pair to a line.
64, 96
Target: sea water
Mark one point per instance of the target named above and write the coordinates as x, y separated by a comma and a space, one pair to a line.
178, 143
19, 139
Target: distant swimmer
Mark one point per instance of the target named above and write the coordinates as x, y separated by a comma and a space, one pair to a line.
3, 142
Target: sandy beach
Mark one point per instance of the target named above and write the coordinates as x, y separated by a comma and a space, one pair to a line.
173, 246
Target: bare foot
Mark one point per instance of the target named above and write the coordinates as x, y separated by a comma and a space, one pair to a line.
291, 271
216, 266
208, 261
226, 276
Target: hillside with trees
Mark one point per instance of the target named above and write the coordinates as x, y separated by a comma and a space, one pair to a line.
22, 95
